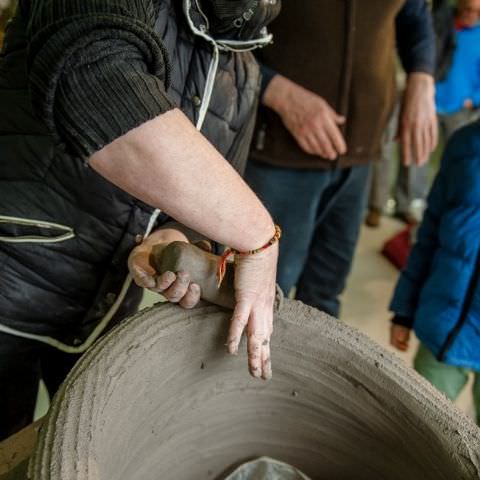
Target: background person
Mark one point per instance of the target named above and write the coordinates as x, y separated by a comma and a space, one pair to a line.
329, 91
438, 294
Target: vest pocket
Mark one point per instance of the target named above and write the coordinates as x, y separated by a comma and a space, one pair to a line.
24, 230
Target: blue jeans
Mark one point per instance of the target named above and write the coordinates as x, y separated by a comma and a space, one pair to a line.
320, 212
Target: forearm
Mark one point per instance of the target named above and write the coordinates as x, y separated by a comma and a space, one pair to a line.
166, 163
278, 93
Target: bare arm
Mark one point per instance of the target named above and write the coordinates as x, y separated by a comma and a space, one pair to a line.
166, 163
418, 131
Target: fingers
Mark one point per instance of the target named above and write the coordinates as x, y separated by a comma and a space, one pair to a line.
323, 145
142, 278
237, 326
266, 360
177, 289
258, 340
254, 350
399, 337
192, 297
142, 272
337, 139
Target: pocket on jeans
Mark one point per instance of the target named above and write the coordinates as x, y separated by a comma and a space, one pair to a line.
26, 230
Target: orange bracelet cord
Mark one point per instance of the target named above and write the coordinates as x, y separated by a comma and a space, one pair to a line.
222, 263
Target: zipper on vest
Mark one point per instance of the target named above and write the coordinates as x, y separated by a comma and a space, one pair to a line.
465, 310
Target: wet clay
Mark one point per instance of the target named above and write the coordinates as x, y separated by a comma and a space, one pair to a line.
140, 406
202, 267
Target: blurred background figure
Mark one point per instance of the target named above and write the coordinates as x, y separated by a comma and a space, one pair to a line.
457, 75
458, 91
438, 294
6, 11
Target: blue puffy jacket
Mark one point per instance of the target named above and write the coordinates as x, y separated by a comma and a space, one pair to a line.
462, 82
440, 288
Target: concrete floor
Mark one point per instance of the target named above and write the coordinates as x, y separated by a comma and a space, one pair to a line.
365, 302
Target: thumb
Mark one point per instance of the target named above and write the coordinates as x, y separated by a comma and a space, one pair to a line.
339, 119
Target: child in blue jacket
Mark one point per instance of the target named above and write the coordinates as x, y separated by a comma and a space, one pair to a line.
438, 294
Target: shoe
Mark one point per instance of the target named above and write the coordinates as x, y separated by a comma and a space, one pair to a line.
373, 219
407, 217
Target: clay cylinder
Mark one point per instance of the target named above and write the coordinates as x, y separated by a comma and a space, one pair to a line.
159, 398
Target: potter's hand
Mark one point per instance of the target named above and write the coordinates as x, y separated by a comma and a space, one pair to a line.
175, 287
255, 296
418, 131
308, 117
400, 337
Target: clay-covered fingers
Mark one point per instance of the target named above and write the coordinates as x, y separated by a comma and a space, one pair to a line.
237, 326
178, 288
254, 351
192, 297
142, 272
259, 331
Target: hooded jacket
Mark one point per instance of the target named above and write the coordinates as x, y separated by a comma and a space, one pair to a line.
74, 76
438, 294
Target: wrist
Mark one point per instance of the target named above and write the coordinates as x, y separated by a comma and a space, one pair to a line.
420, 79
276, 94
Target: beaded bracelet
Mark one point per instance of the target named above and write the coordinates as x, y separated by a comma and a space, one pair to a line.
222, 263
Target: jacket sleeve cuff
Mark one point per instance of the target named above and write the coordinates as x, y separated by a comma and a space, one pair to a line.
403, 321
267, 76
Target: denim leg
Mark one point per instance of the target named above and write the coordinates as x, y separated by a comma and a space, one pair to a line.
337, 228
292, 197
412, 184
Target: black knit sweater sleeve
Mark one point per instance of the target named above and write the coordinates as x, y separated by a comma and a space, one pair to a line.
96, 68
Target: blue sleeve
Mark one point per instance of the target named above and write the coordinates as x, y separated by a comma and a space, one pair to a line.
410, 283
267, 75
416, 37
476, 95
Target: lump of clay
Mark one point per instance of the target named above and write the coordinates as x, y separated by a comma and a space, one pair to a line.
159, 398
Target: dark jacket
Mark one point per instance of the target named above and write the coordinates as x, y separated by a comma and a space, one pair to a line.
344, 52
65, 232
439, 291
444, 24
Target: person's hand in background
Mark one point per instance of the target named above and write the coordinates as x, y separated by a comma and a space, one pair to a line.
418, 129
308, 117
399, 337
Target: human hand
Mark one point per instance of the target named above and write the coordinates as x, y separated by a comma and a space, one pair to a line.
468, 104
418, 129
308, 117
175, 287
399, 337
255, 296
